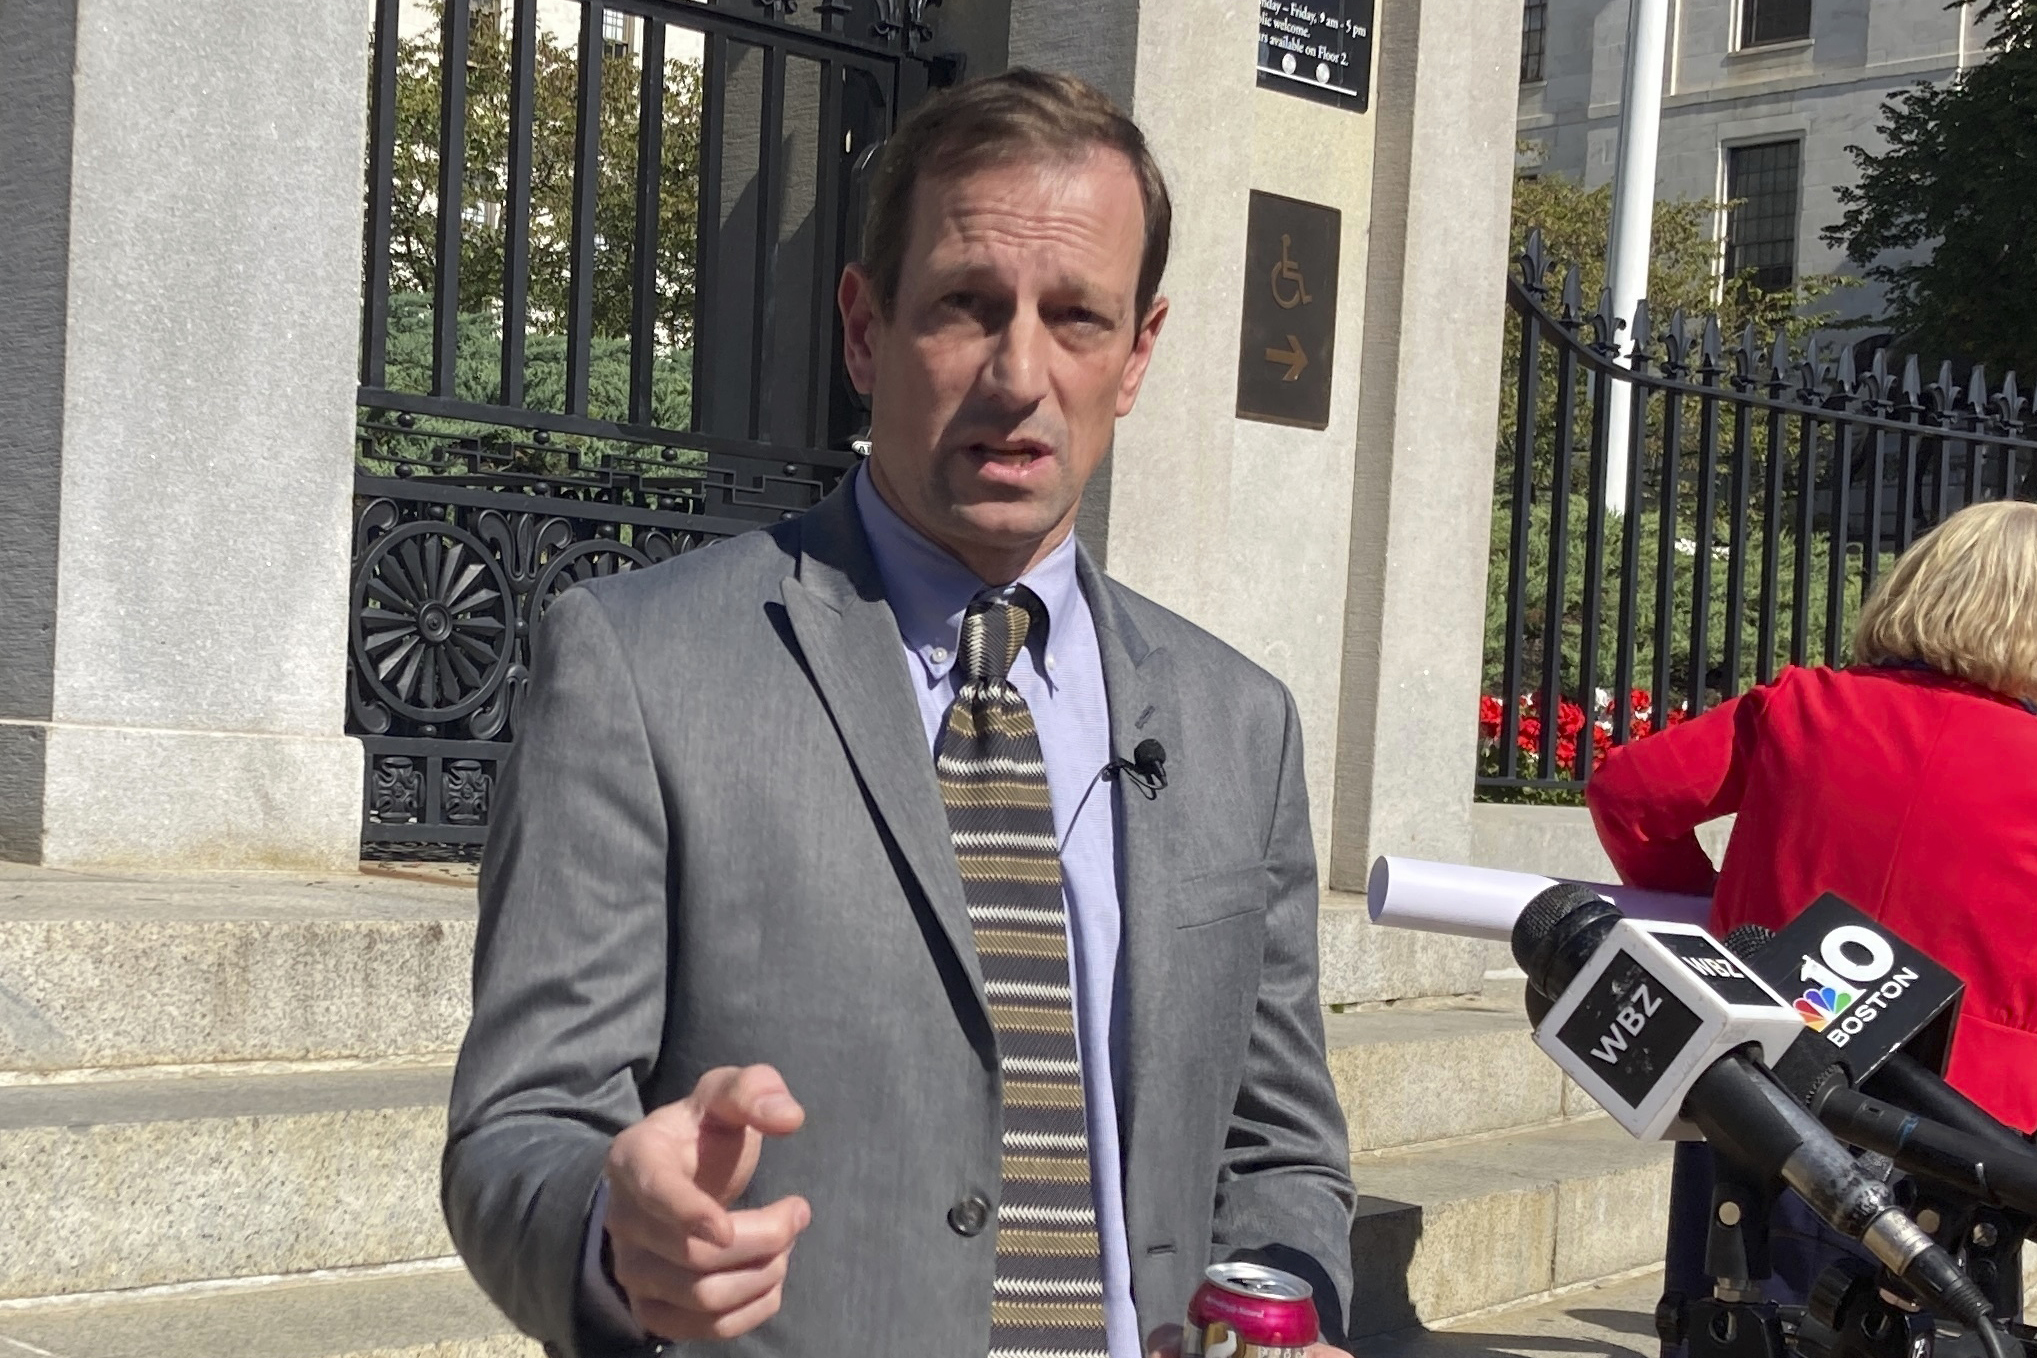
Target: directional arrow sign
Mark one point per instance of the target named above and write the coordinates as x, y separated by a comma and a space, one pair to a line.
1293, 356
1287, 334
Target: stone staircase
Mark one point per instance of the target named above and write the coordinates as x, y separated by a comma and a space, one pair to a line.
222, 1104
1486, 1178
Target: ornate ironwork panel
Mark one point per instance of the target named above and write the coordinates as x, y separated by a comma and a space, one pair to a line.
460, 545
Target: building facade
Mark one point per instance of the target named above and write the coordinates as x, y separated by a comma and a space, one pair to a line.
1762, 100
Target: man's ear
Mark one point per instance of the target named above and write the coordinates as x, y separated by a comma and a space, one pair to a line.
1142, 356
861, 317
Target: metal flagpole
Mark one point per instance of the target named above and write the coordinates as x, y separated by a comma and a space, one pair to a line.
1633, 211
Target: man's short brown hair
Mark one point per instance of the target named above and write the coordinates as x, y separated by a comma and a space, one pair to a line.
1019, 116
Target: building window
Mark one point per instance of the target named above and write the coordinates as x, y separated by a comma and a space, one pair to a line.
614, 33
1761, 224
1534, 38
1766, 22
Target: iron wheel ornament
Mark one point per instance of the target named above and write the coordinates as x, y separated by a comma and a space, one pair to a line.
590, 559
433, 621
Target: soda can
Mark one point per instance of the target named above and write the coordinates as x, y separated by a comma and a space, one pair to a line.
1250, 1311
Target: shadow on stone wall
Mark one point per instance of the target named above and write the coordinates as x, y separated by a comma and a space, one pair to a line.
1383, 1238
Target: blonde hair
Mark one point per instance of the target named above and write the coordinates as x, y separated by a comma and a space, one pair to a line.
1963, 600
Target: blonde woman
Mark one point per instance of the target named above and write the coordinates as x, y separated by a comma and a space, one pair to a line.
1906, 783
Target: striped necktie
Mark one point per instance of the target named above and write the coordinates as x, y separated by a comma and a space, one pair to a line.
1047, 1298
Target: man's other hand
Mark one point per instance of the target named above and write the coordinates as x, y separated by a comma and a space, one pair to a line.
690, 1267
1165, 1342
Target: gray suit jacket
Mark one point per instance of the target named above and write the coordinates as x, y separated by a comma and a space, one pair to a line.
720, 841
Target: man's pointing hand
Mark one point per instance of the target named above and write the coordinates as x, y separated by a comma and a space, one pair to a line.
690, 1267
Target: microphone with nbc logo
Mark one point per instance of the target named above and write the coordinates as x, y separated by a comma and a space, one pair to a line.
1863, 992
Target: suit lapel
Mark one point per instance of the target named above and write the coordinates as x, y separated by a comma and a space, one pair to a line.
1140, 691
850, 642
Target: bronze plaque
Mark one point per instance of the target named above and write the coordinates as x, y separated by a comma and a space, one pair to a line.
1287, 345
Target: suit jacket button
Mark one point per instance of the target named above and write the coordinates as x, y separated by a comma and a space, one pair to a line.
969, 1216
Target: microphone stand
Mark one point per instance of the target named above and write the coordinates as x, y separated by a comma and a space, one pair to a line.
1857, 1311
1735, 1321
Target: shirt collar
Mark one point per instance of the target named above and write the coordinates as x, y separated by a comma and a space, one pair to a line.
929, 590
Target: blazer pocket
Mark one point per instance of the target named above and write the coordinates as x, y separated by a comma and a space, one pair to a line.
1221, 894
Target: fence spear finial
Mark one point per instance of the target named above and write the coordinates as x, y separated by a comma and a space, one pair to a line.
1533, 262
1605, 327
1642, 334
2011, 402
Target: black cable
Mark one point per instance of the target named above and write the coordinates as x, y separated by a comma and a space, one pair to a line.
1991, 1337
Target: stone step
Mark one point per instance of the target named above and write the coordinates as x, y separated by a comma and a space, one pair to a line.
1453, 1229
1606, 1320
1363, 963
106, 970
1445, 1070
434, 1314
144, 1181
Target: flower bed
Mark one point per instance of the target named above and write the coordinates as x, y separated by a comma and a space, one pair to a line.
1638, 715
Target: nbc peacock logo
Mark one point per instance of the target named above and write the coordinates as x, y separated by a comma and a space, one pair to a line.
1821, 1004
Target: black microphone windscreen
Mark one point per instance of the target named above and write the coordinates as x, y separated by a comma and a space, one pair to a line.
1747, 941
1148, 752
1537, 922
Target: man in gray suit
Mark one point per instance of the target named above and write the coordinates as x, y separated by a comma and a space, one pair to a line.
896, 936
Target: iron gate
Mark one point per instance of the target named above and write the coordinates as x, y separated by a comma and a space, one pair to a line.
598, 330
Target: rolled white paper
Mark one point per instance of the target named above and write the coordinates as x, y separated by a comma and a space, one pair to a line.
1451, 898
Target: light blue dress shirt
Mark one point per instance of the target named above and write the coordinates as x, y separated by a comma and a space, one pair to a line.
1062, 682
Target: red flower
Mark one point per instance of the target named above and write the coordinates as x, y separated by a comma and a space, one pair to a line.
1640, 700
1489, 713
1677, 717
1530, 738
1569, 718
1566, 754
1641, 727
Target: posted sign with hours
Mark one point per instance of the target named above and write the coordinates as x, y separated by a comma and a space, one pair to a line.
1290, 324
1318, 49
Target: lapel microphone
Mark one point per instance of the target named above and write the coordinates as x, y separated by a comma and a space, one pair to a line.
1146, 769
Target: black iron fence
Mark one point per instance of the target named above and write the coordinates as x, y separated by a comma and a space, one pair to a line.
1764, 490
598, 329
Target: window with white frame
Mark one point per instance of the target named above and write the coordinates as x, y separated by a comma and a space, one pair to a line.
1763, 188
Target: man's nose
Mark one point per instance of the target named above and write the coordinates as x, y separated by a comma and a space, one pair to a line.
1017, 374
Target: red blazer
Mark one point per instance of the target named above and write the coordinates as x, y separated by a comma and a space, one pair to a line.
1911, 794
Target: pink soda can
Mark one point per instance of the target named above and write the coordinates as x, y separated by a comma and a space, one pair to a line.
1250, 1311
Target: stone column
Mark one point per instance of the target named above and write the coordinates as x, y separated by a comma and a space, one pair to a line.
1241, 526
1415, 622
180, 256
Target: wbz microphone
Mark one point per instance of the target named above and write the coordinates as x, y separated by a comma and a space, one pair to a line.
1656, 1020
1641, 1008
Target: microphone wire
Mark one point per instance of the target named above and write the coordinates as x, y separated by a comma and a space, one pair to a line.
1991, 1337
